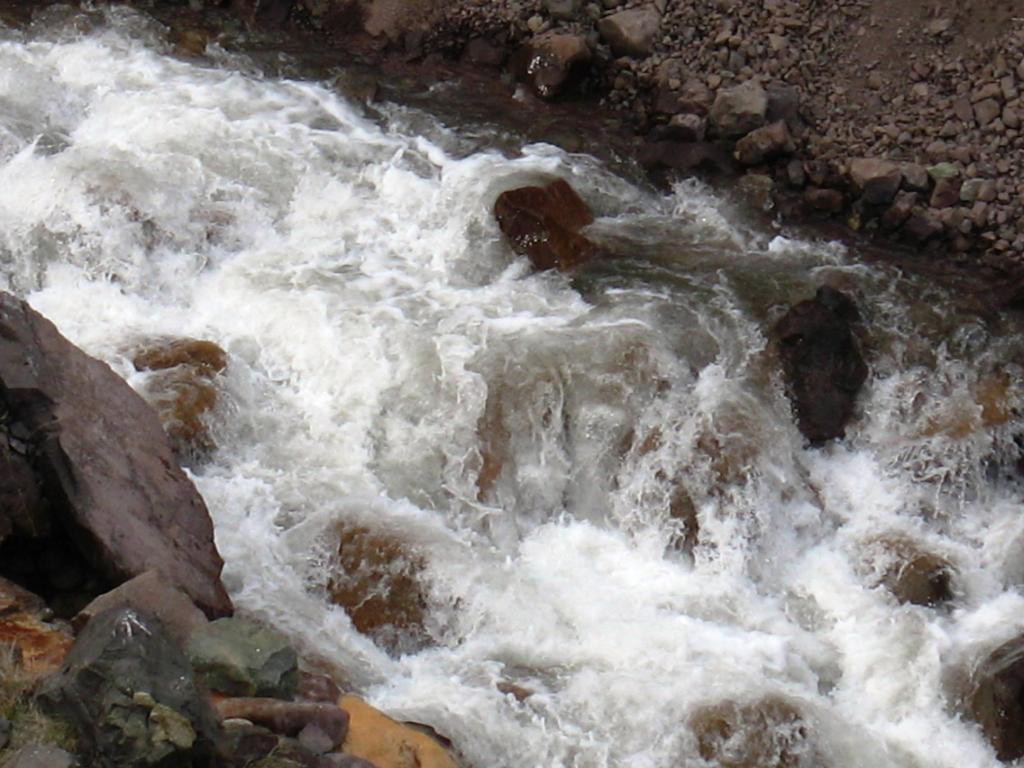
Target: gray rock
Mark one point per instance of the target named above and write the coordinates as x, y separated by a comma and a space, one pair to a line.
876, 180
739, 110
41, 756
313, 738
564, 10
240, 657
764, 143
687, 128
105, 461
151, 593
986, 111
915, 177
632, 32
130, 693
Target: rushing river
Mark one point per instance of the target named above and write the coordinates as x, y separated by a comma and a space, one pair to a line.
394, 366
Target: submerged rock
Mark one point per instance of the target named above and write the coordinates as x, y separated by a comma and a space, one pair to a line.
183, 389
377, 581
385, 743
130, 693
240, 657
767, 733
103, 461
911, 574
544, 223
821, 362
996, 699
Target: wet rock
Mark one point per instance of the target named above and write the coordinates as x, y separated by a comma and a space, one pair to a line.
821, 362
240, 657
996, 699
377, 581
764, 143
104, 461
827, 200
131, 695
912, 575
767, 733
41, 756
552, 62
877, 180
375, 737
632, 32
544, 223
687, 128
289, 718
25, 626
739, 110
183, 389
150, 593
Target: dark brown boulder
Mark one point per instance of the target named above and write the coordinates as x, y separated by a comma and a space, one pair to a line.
996, 700
821, 362
552, 63
104, 462
544, 223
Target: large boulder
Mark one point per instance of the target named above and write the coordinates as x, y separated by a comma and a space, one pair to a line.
632, 32
821, 362
552, 62
996, 699
739, 110
130, 693
103, 461
544, 223
240, 657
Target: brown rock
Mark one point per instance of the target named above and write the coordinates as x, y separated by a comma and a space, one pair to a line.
897, 213
877, 180
183, 389
766, 733
828, 200
105, 462
996, 699
963, 109
915, 177
946, 193
40, 646
739, 110
544, 223
986, 111
376, 579
375, 737
288, 718
911, 574
922, 225
632, 32
22, 508
552, 63
482, 51
688, 128
821, 362
764, 143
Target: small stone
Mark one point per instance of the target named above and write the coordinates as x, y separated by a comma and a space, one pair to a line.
897, 213
986, 111
739, 110
922, 225
962, 109
687, 127
535, 23
563, 10
875, 81
795, 173
827, 200
1011, 118
313, 738
977, 189
764, 143
915, 177
943, 171
946, 193
631, 32
877, 180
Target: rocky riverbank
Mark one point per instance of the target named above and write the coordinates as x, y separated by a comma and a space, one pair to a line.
901, 123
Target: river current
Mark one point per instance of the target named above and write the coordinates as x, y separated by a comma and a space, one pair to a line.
387, 350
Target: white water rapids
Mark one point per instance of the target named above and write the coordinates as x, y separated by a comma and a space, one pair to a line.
354, 273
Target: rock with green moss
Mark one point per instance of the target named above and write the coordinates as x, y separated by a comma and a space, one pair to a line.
130, 692
240, 657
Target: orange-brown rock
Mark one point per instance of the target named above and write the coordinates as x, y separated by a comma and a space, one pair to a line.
39, 645
375, 737
766, 733
183, 389
544, 223
376, 579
